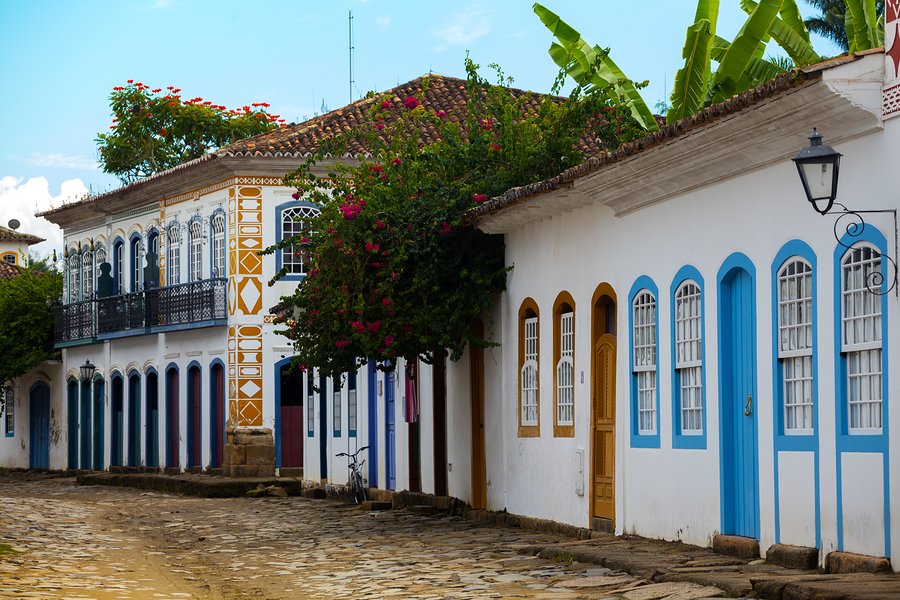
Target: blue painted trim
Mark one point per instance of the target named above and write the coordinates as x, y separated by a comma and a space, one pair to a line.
642, 440
72, 421
151, 441
844, 441
278, 234
218, 211
169, 226
679, 440
117, 430
74, 343
737, 260
188, 326
118, 256
353, 378
278, 367
135, 257
336, 387
99, 421
795, 443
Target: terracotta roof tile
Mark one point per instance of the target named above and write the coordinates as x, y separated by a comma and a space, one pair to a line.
10, 235
8, 271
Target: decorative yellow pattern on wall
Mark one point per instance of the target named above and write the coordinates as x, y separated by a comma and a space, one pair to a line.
245, 383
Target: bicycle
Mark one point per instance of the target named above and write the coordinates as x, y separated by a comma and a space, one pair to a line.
357, 483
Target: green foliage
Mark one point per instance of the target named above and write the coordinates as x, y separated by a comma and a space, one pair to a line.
396, 270
26, 320
836, 23
153, 131
592, 66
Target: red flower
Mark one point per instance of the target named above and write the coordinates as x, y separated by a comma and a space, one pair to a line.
131, 81
479, 198
374, 326
379, 224
486, 124
379, 126
370, 247
388, 340
396, 162
445, 228
342, 343
385, 104
442, 113
410, 102
495, 147
387, 302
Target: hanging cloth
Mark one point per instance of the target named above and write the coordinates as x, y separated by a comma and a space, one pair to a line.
411, 407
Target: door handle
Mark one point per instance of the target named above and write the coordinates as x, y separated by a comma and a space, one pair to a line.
748, 407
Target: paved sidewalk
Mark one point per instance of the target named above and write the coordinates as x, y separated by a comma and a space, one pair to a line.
626, 567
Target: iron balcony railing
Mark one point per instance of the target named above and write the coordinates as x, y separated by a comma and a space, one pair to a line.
142, 312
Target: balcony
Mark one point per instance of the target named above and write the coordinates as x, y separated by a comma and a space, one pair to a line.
184, 306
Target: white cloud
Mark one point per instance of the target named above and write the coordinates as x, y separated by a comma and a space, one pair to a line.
20, 201
382, 22
464, 27
66, 161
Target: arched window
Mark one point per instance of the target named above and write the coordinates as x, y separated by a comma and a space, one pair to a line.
795, 344
688, 340
195, 244
135, 245
644, 361
100, 254
119, 266
9, 258
529, 352
861, 338
74, 276
218, 245
87, 274
296, 221
173, 263
564, 365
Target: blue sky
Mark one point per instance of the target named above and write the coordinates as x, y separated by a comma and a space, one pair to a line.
60, 60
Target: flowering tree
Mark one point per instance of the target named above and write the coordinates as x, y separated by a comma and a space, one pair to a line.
153, 131
395, 269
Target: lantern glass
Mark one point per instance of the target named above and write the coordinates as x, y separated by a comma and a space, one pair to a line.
87, 370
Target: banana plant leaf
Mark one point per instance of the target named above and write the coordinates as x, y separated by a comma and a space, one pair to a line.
861, 23
759, 70
789, 33
691, 81
742, 49
592, 65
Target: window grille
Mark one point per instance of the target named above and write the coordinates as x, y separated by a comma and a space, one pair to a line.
688, 356
861, 338
74, 277
195, 242
136, 264
9, 259
296, 222
351, 404
795, 344
336, 406
118, 259
644, 320
87, 274
565, 371
173, 263
100, 255
529, 373
218, 245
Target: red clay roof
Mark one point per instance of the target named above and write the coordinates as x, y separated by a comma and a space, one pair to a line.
8, 271
10, 235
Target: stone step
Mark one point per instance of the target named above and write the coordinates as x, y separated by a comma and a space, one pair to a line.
848, 562
793, 557
737, 546
374, 505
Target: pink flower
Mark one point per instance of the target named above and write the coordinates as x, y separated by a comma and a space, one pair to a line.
379, 126
388, 340
387, 302
445, 228
486, 124
305, 240
410, 102
342, 343
495, 147
350, 210
357, 326
442, 113
296, 195
374, 326
396, 161
372, 247
385, 104
379, 224
479, 198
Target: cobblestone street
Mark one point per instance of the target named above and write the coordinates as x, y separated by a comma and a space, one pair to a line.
70, 541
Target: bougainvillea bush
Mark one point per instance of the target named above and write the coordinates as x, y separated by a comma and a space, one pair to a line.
154, 129
395, 271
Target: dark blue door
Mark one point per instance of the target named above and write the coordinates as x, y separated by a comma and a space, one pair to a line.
72, 421
390, 433
86, 431
116, 422
134, 420
98, 425
152, 442
739, 456
373, 425
323, 429
39, 426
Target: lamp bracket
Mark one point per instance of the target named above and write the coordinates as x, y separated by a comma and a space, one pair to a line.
853, 225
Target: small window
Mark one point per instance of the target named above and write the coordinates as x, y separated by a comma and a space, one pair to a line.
795, 346
351, 404
296, 222
310, 404
688, 357
87, 274
861, 342
118, 266
644, 367
173, 263
136, 264
218, 245
9, 259
9, 407
529, 351
195, 243
336, 406
74, 276
564, 365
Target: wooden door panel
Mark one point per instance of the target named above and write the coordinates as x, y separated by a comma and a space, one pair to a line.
603, 426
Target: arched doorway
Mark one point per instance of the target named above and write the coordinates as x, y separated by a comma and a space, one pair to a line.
603, 408
39, 426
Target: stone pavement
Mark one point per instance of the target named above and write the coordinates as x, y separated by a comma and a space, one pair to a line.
102, 542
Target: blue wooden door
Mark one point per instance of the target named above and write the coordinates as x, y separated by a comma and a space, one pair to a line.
86, 430
390, 433
323, 428
739, 456
152, 426
134, 420
373, 425
116, 450
98, 424
39, 426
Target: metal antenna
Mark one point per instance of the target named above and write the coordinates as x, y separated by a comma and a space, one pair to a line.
350, 24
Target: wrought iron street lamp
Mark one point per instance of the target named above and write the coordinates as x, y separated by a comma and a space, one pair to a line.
819, 165
87, 370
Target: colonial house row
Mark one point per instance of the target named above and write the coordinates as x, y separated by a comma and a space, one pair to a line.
685, 348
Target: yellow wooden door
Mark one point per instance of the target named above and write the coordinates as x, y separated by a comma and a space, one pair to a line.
604, 427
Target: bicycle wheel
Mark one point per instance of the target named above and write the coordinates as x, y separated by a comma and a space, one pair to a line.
358, 489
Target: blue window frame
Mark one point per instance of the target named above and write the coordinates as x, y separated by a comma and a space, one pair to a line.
118, 265
336, 405
352, 404
644, 362
135, 246
688, 326
293, 219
